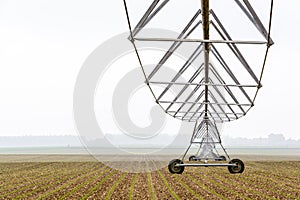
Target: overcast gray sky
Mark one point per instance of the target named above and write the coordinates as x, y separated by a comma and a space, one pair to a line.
43, 44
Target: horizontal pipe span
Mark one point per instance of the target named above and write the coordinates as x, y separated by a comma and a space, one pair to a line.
232, 104
199, 40
215, 120
222, 118
205, 165
197, 84
183, 112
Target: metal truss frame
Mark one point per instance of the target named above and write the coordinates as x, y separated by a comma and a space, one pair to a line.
211, 106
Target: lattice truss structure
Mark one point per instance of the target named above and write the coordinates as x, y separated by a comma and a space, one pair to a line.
225, 43
220, 84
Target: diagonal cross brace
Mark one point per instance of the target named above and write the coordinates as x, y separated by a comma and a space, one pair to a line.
228, 70
233, 46
186, 65
195, 75
148, 16
176, 44
253, 17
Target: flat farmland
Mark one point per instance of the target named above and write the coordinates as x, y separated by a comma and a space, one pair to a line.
94, 180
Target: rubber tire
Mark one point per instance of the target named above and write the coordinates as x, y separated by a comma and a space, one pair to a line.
223, 158
236, 169
191, 158
173, 169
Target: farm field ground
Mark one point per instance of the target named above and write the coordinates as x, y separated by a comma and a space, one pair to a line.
80, 177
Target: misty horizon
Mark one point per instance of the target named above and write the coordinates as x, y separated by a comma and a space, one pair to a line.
272, 140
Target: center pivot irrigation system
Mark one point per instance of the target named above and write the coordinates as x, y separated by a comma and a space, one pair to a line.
215, 90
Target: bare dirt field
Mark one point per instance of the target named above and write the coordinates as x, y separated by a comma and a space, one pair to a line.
51, 178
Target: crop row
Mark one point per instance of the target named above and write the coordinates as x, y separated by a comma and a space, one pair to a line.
92, 180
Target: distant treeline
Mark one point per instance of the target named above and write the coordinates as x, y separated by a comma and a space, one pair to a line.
273, 140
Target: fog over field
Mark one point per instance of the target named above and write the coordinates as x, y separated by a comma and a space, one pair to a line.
273, 140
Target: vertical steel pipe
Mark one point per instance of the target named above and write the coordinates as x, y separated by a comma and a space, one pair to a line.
205, 25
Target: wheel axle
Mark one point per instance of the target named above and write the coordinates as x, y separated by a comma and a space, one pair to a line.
235, 166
